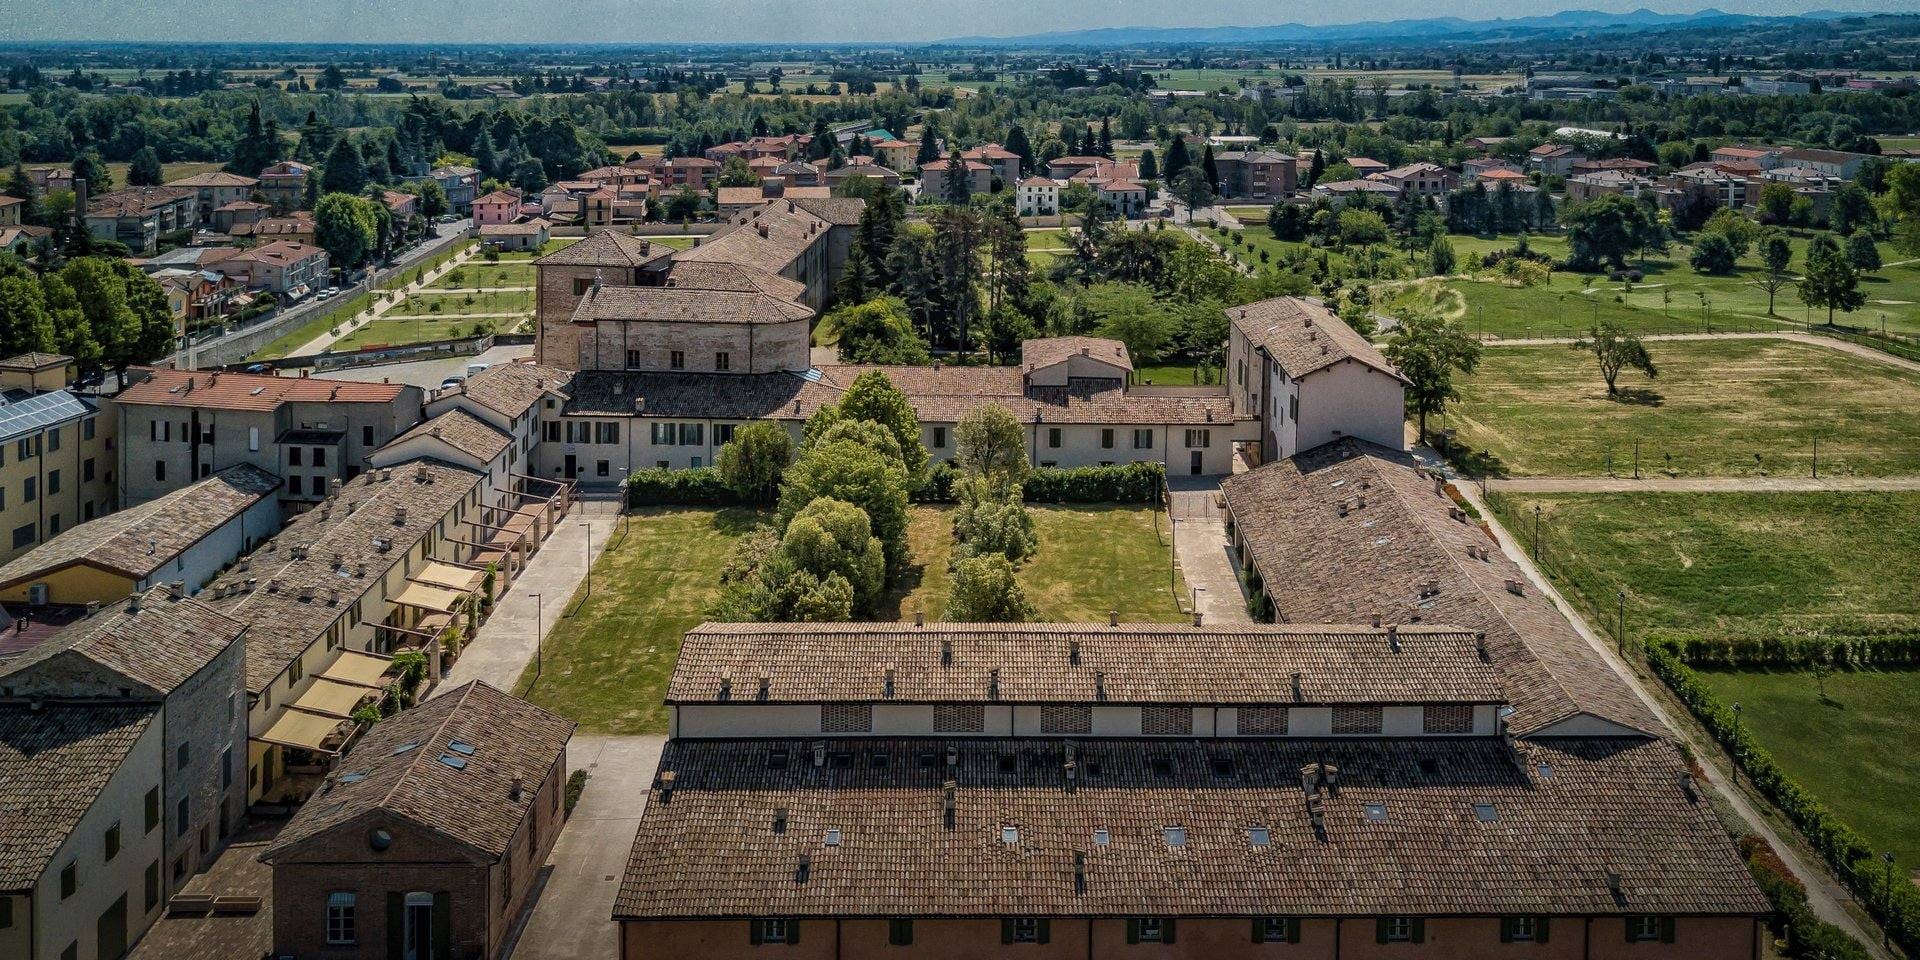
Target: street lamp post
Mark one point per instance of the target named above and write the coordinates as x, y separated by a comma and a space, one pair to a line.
1623, 622
1536, 533
539, 635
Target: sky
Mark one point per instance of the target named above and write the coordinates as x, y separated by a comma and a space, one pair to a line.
746, 21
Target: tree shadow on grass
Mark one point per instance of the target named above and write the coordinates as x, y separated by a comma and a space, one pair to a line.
1639, 397
1477, 464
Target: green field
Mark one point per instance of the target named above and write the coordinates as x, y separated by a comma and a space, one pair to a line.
1718, 408
1848, 737
676, 241
607, 664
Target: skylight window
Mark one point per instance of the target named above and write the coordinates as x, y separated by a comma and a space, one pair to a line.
458, 763
403, 748
1377, 812
1485, 812
833, 836
1101, 837
1176, 836
1009, 835
461, 747
1260, 836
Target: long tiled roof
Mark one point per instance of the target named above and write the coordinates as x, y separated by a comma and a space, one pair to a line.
161, 645
1047, 351
246, 391
1349, 530
1303, 336
1079, 663
301, 596
1577, 827
448, 765
685, 305
463, 432
54, 761
702, 275
789, 230
605, 248
758, 396
140, 540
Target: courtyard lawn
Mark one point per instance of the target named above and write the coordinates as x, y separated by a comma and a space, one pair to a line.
607, 665
1718, 408
1250, 215
676, 241
392, 330
1847, 737
1092, 560
480, 274
1175, 375
490, 301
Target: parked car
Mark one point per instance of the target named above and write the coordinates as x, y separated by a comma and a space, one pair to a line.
473, 368
451, 382
260, 368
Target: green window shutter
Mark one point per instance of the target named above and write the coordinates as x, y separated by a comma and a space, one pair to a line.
1666, 929
1419, 929
1293, 929
1166, 930
1380, 930
1259, 930
396, 926
900, 933
442, 925
1133, 931
793, 932
1506, 929
1006, 930
753, 932
1540, 929
1626, 925
1042, 930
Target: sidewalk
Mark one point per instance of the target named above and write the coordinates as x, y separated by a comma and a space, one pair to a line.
1200, 544
510, 637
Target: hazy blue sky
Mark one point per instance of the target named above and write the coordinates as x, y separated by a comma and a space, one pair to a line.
799, 21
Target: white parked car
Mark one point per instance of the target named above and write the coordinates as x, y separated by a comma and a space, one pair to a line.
474, 368
451, 382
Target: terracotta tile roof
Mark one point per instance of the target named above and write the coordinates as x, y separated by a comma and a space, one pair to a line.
1254, 156
1047, 351
246, 391
283, 252
216, 178
1746, 153
342, 558
605, 248
685, 305
1350, 530
768, 237
463, 432
54, 762
35, 360
498, 196
1568, 814
511, 389
1303, 336
160, 646
532, 227
1414, 170
941, 165
758, 396
1546, 150
807, 193
139, 540
135, 201
448, 765
839, 211
1079, 663
739, 196
1356, 186
702, 275
1812, 155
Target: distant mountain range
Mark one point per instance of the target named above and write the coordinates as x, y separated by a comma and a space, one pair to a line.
1437, 28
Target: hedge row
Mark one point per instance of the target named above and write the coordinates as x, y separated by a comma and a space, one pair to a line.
1845, 850
1125, 483
1843, 645
701, 486
1807, 937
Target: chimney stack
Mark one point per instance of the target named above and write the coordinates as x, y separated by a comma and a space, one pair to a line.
1297, 696
1393, 638
1073, 652
950, 802
1113, 618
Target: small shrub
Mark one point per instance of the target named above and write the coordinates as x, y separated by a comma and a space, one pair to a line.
576, 785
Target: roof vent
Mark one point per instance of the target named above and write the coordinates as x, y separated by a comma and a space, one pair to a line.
400, 515
780, 820
1298, 695
1113, 618
766, 683
819, 753
726, 685
1514, 587
1073, 652
804, 869
1100, 685
1079, 871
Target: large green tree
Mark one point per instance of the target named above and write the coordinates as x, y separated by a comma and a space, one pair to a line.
1829, 279
848, 470
345, 226
878, 331
346, 169
1432, 350
752, 463
124, 310
990, 442
1603, 231
1616, 349
985, 590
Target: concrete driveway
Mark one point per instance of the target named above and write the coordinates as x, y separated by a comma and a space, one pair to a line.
572, 919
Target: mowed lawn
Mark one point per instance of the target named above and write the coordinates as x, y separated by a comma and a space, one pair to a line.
607, 665
1853, 746
1718, 408
1731, 565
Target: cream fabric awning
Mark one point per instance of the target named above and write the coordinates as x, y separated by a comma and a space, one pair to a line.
449, 576
330, 699
297, 728
428, 597
358, 669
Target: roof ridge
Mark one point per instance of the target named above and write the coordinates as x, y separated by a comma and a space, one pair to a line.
386, 799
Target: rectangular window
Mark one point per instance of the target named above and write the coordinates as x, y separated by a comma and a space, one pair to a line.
939, 438
366, 436
30, 491
1166, 721
1143, 439
53, 481
846, 718
293, 456
772, 931
676, 360
23, 535
152, 809
552, 431
579, 432
111, 843
1263, 721
633, 359
1447, 718
319, 456
293, 484
1106, 438
183, 815
900, 933
340, 918
722, 434
1649, 929
607, 432
959, 718
1066, 718
87, 428
182, 754
601, 468
69, 880
1276, 930
86, 470
1356, 720
692, 434
1053, 437
721, 361
226, 756
1523, 929
581, 285
1150, 930
152, 898
1293, 408
24, 449
1399, 930
160, 470
1024, 930
1199, 439
53, 439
